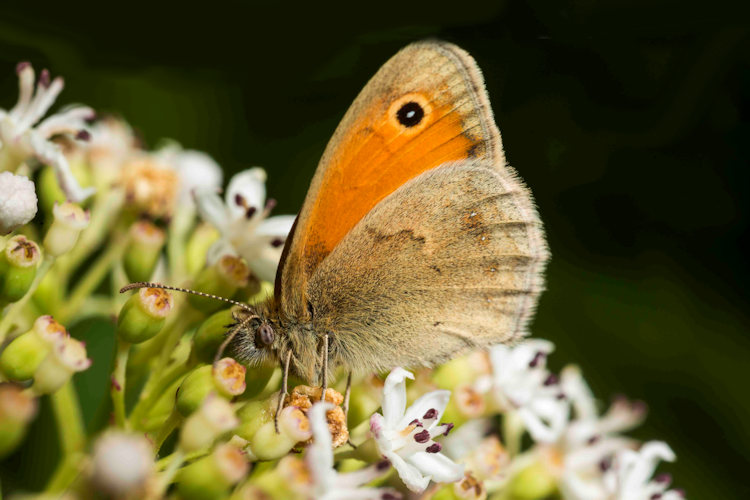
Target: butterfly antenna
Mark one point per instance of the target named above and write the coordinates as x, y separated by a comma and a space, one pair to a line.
146, 284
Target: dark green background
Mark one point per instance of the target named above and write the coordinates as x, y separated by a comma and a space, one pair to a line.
629, 121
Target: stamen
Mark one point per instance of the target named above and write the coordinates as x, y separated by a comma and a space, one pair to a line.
83, 135
390, 496
416, 423
663, 478
593, 439
536, 359
551, 379
422, 437
277, 242
655, 496
22, 66
434, 448
431, 413
383, 465
240, 201
448, 427
250, 212
605, 464
44, 79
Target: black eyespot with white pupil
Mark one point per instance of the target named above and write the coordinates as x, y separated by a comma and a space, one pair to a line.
410, 114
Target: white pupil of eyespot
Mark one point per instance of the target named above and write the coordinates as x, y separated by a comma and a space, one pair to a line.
410, 114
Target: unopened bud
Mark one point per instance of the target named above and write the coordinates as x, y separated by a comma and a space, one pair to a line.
22, 357
65, 358
144, 249
213, 418
18, 201
144, 314
70, 220
210, 334
18, 263
122, 464
197, 247
17, 409
229, 377
223, 278
534, 482
211, 476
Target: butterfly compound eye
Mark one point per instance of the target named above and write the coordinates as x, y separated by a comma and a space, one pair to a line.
264, 335
410, 114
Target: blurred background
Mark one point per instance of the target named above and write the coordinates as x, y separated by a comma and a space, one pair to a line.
630, 121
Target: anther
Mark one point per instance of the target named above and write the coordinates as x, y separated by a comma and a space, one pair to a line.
83, 135
422, 437
536, 359
44, 78
448, 428
434, 448
551, 379
22, 66
431, 413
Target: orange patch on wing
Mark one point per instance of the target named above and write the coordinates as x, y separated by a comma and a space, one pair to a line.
375, 161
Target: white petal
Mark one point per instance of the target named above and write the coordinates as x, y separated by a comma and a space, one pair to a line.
276, 226
212, 209
319, 454
43, 99
463, 440
219, 250
25, 90
197, 170
441, 468
394, 397
49, 154
578, 392
250, 185
68, 121
648, 458
434, 400
409, 474
266, 265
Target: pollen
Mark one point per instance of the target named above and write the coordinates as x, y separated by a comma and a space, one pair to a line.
151, 187
157, 301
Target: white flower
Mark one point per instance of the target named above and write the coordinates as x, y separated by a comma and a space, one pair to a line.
590, 441
328, 484
629, 478
242, 219
21, 140
195, 169
111, 146
405, 436
17, 201
521, 383
122, 463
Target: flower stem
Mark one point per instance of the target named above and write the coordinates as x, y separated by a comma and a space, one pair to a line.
166, 429
15, 309
68, 419
96, 273
512, 432
67, 471
118, 383
147, 401
166, 477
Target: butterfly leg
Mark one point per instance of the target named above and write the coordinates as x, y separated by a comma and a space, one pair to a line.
324, 386
283, 391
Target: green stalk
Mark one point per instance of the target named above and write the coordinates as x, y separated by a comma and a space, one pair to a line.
15, 308
68, 419
166, 477
117, 388
166, 429
96, 273
67, 471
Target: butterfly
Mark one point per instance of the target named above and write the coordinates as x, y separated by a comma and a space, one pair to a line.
416, 241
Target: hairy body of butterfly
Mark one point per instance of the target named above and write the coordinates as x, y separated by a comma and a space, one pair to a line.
415, 243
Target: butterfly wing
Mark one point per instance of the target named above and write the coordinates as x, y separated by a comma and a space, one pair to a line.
449, 261
426, 106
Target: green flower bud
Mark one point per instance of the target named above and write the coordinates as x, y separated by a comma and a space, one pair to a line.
211, 477
258, 429
22, 357
49, 189
466, 403
18, 263
194, 390
70, 220
144, 314
144, 249
122, 464
17, 409
197, 247
468, 488
66, 357
211, 334
227, 379
213, 418
463, 370
533, 483
223, 278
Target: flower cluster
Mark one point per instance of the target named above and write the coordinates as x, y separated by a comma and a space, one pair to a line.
85, 208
